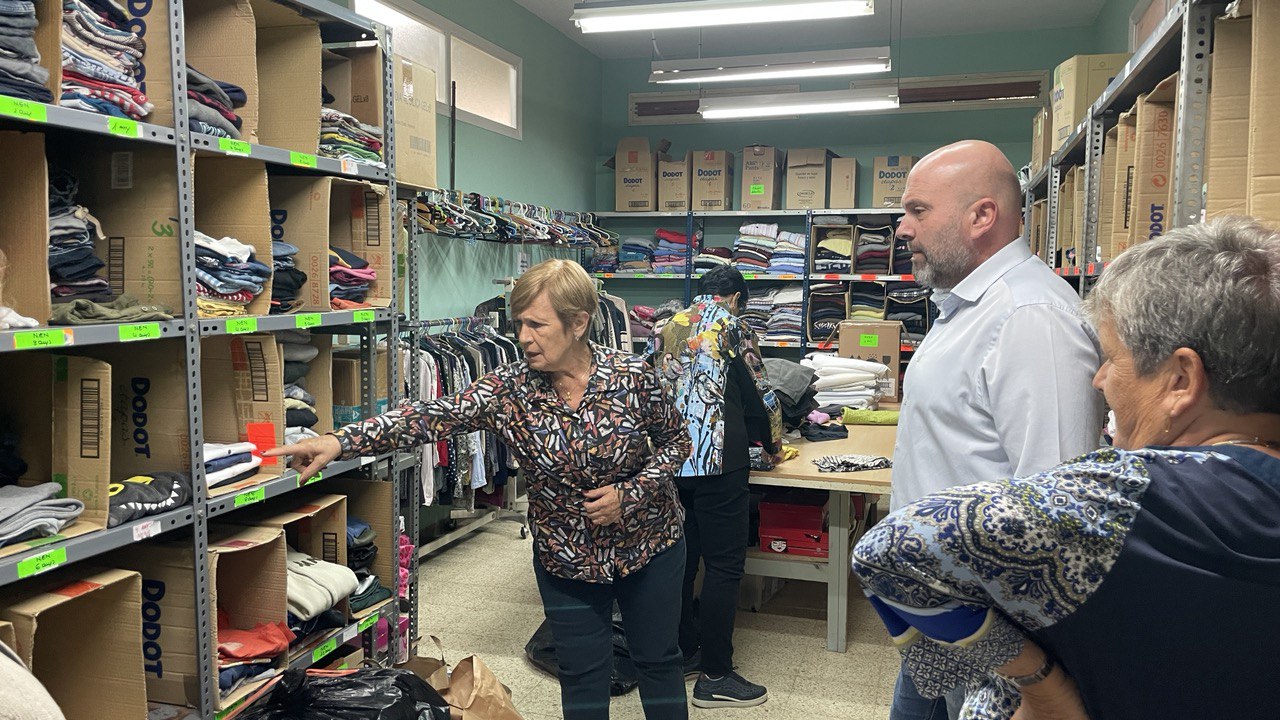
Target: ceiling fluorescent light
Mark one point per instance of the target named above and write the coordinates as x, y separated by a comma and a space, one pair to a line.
802, 103
827, 63
625, 15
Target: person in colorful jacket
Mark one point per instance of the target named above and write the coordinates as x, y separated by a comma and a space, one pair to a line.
708, 357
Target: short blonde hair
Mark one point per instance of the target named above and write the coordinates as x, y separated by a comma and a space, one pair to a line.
568, 287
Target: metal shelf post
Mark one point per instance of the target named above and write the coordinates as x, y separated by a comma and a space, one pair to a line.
1192, 116
1092, 182
1051, 231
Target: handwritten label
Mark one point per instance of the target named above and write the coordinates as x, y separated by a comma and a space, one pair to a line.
24, 109
783, 343
363, 316
606, 275
139, 331
302, 159
868, 340
368, 622
30, 339
307, 320
667, 275
144, 530
124, 127
313, 479
329, 646
787, 276
748, 276
43, 562
234, 147
235, 326
757, 189
249, 497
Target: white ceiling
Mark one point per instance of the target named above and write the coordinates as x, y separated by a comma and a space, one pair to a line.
920, 18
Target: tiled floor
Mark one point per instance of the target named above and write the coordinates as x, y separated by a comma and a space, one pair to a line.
479, 597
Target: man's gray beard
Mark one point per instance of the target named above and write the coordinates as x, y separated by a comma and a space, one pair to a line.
945, 269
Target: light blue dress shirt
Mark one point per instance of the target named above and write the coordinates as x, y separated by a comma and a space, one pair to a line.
1001, 385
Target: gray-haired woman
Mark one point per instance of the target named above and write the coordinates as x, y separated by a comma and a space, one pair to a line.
1140, 581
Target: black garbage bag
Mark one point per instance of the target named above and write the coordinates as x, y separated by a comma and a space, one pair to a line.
541, 651
366, 694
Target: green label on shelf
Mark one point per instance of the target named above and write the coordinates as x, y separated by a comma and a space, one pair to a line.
302, 159
363, 316
748, 276
329, 646
37, 564
24, 109
667, 275
234, 147
869, 340
124, 127
757, 189
249, 497
313, 479
139, 331
235, 326
307, 320
29, 339
368, 622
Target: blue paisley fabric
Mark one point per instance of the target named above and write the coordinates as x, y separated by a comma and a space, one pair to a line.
627, 432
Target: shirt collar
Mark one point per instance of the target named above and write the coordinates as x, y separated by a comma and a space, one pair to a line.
975, 285
599, 358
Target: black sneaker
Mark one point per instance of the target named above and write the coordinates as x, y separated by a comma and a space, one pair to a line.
732, 690
693, 665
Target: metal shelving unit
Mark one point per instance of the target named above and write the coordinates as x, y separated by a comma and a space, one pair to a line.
337, 25
1179, 44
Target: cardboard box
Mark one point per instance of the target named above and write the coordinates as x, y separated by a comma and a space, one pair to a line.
1152, 208
24, 243
712, 180
243, 395
1041, 140
1264, 108
1121, 206
1145, 18
149, 429
807, 172
675, 184
315, 525
300, 217
1077, 83
319, 381
842, 190
875, 341
222, 42
348, 400
1079, 207
889, 179
371, 502
1066, 220
1106, 196
762, 169
81, 635
288, 56
635, 176
1227, 164
232, 200
248, 581
870, 233
360, 221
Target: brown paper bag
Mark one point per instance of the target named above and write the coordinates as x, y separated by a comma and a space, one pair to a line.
477, 693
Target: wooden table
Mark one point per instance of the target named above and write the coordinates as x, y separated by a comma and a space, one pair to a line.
802, 473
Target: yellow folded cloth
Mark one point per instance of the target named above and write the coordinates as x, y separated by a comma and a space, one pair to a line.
869, 417
210, 308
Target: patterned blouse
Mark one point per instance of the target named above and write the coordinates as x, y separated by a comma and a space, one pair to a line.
627, 432
695, 350
1152, 576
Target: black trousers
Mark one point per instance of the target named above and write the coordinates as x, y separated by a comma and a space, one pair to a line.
581, 618
716, 523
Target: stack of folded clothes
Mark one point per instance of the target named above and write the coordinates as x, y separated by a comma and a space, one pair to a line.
908, 303
789, 255
345, 138
828, 305
901, 257
756, 313
212, 110
73, 264
793, 384
286, 280
875, 250
845, 382
604, 260
636, 254
124, 309
226, 463
36, 511
248, 655
361, 552
786, 317
832, 256
350, 278
642, 321
303, 630
228, 276
712, 258
144, 495
314, 586
866, 301
671, 252
100, 60
21, 75
297, 352
753, 248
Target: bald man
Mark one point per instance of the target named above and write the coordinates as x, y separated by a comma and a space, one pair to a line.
1002, 385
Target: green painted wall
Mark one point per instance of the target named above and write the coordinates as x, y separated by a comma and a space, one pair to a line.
1111, 28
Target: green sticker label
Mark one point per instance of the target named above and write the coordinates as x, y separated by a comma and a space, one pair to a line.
234, 147
43, 562
368, 622
139, 331
124, 127
314, 479
748, 276
29, 339
363, 316
869, 340
667, 275
235, 326
329, 646
757, 189
249, 497
307, 320
302, 159
24, 109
